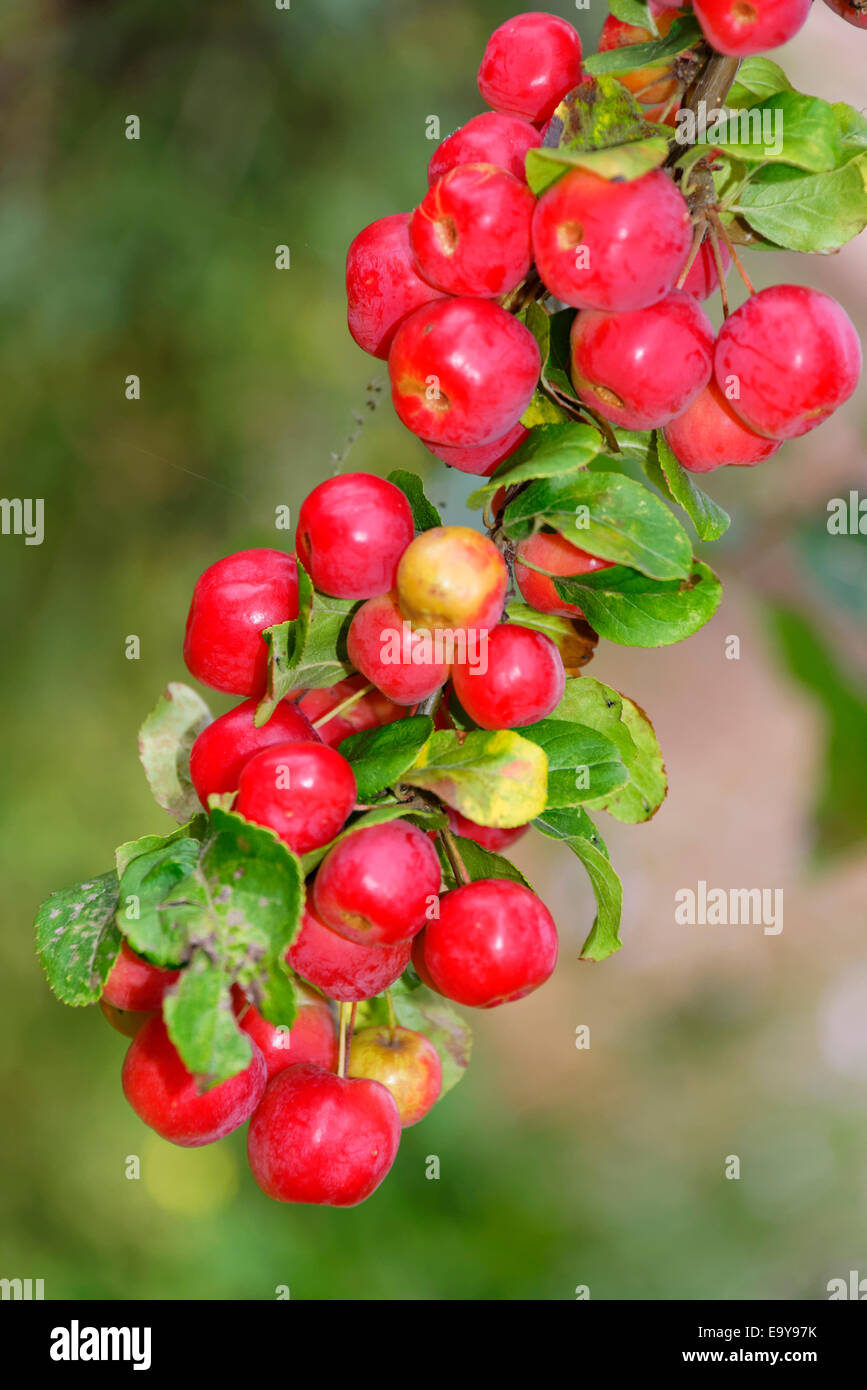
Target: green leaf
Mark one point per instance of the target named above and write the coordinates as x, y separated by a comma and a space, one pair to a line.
424, 513
684, 34
534, 317
635, 611
549, 451
201, 1023
556, 370
146, 882
647, 786
380, 756
542, 410
309, 650
77, 940
378, 816
424, 1012
852, 129
164, 742
195, 829
757, 78
544, 166
583, 765
577, 831
589, 702
479, 863
674, 482
608, 515
633, 12
785, 128
806, 212
493, 778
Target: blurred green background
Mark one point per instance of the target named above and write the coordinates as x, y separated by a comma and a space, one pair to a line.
602, 1167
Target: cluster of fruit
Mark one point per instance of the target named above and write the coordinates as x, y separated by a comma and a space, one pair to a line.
409, 692
437, 292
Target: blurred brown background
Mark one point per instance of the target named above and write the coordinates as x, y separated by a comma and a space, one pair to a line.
559, 1167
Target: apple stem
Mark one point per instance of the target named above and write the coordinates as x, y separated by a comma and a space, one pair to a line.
341, 1056
430, 705
392, 1020
717, 224
698, 238
458, 867
344, 705
720, 269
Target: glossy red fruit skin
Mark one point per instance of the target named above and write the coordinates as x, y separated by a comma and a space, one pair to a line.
703, 278
405, 1062
371, 711
740, 29
529, 65
650, 84
494, 941
846, 10
223, 748
383, 285
315, 805
488, 836
553, 552
164, 1094
406, 681
491, 138
481, 459
418, 962
709, 435
377, 886
524, 682
470, 235
322, 1139
796, 355
479, 363
134, 984
340, 968
637, 236
352, 531
311, 1038
642, 369
233, 601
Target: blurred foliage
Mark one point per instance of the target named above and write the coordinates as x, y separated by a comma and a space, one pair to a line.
157, 257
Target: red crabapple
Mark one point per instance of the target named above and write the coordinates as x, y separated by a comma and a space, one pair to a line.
650, 84
370, 712
383, 285
601, 244
233, 601
641, 369
494, 941
552, 552
133, 983
452, 578
743, 27
462, 371
352, 530
376, 886
853, 11
703, 277
323, 1139
221, 750
405, 1062
480, 459
524, 680
400, 662
786, 359
491, 138
470, 235
530, 64
340, 968
709, 434
167, 1097
311, 1038
488, 836
304, 792
418, 964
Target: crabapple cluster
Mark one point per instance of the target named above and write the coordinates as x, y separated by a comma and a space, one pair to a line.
439, 291
325, 1119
